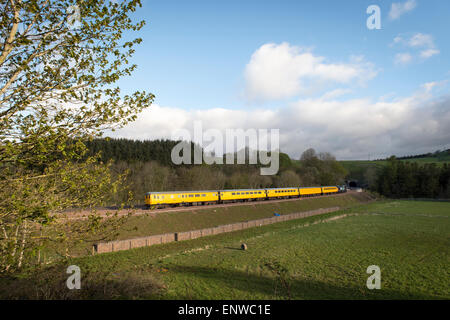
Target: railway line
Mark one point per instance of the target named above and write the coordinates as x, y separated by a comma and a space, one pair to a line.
143, 209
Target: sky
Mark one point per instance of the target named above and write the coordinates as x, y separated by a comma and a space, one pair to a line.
312, 69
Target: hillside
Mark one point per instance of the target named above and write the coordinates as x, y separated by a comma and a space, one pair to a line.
364, 171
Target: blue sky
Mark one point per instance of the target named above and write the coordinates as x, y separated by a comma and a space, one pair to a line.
197, 56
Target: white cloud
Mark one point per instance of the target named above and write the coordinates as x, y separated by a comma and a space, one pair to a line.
402, 58
335, 93
429, 53
399, 8
398, 39
421, 40
278, 71
349, 128
418, 41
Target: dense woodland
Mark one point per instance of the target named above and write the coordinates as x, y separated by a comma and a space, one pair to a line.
402, 179
148, 167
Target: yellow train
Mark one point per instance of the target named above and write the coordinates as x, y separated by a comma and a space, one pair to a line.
192, 198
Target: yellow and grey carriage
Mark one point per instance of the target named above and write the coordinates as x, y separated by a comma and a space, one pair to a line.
175, 198
282, 193
236, 195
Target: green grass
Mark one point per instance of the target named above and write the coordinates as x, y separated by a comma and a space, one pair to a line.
409, 241
296, 259
197, 219
178, 221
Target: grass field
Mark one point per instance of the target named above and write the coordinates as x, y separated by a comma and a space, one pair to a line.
178, 221
299, 259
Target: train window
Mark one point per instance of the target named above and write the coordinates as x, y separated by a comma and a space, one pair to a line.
251, 192
203, 195
190, 196
197, 195
233, 194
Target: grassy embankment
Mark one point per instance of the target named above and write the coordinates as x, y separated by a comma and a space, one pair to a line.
298, 259
177, 221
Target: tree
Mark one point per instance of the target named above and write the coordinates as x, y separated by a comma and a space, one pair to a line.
59, 60
309, 154
289, 178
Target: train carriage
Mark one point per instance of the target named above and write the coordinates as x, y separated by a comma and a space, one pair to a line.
154, 199
282, 192
310, 191
242, 194
329, 189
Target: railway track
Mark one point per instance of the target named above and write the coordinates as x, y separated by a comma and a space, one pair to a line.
143, 210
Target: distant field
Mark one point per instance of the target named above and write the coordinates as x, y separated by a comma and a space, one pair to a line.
357, 168
438, 161
351, 164
299, 259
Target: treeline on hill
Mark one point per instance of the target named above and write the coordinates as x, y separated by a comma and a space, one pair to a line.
438, 154
401, 179
148, 167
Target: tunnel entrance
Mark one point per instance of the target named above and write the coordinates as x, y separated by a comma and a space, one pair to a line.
353, 184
